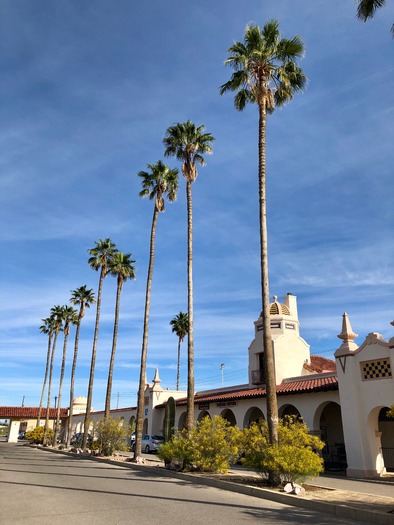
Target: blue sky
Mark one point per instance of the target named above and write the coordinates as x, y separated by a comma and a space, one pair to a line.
88, 90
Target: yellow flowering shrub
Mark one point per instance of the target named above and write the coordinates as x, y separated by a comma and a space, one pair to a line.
293, 459
211, 446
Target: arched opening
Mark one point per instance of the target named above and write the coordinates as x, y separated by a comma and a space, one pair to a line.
203, 414
253, 415
386, 427
145, 426
182, 421
228, 415
334, 453
290, 411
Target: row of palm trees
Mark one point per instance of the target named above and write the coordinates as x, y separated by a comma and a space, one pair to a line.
106, 258
266, 75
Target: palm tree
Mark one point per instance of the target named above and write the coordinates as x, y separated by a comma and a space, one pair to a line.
120, 265
99, 258
159, 183
46, 328
188, 144
366, 9
180, 326
56, 321
69, 316
266, 74
82, 297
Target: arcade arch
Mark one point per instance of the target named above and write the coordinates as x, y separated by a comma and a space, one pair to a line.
229, 416
202, 414
253, 415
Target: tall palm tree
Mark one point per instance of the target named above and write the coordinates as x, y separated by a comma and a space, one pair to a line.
121, 266
57, 322
266, 74
82, 297
188, 144
69, 317
46, 328
180, 326
366, 9
99, 258
159, 183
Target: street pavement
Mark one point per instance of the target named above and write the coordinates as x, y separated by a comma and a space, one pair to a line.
38, 488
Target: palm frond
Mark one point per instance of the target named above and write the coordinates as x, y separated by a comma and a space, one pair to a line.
367, 8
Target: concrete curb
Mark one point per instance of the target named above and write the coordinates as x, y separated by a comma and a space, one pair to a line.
340, 511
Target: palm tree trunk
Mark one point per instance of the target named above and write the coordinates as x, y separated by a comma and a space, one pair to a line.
93, 362
112, 360
44, 439
72, 380
178, 373
59, 398
144, 350
45, 380
272, 404
190, 338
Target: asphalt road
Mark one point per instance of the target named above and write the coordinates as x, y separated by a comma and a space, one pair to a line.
39, 488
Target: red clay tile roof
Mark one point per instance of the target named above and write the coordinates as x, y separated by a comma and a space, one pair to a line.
30, 412
324, 364
303, 386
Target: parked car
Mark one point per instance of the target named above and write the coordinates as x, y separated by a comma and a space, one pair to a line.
22, 435
151, 443
77, 439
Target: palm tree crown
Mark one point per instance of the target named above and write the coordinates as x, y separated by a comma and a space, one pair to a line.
180, 325
265, 71
121, 266
82, 297
160, 181
188, 143
100, 254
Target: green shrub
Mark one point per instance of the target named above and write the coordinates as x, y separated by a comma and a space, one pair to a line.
293, 459
111, 435
390, 412
211, 446
37, 435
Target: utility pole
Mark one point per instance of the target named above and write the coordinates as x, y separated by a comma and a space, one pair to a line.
117, 401
222, 369
55, 401
23, 401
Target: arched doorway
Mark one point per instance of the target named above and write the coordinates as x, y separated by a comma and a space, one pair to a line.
290, 411
386, 427
334, 453
203, 414
228, 415
253, 415
145, 426
182, 421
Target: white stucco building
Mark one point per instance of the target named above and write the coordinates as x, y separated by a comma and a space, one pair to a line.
344, 400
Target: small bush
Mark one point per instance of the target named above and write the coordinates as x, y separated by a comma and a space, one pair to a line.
111, 435
293, 459
212, 446
36, 435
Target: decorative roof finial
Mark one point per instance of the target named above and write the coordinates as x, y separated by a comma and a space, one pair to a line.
348, 336
156, 379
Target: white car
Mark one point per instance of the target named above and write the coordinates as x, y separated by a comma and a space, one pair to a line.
151, 443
